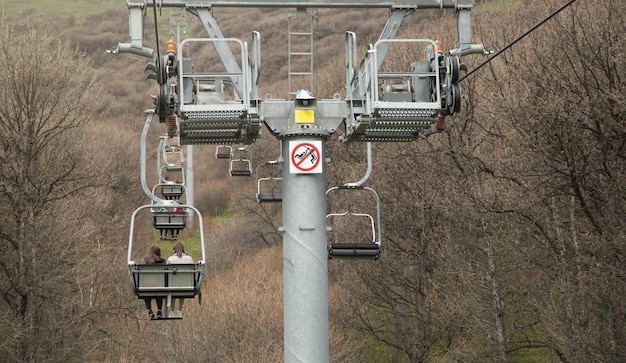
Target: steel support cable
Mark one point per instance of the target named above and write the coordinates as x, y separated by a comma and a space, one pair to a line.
156, 31
522, 36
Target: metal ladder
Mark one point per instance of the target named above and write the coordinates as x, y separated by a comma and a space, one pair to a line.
300, 43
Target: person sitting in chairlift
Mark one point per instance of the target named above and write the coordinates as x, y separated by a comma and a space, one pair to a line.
154, 257
173, 232
179, 257
163, 232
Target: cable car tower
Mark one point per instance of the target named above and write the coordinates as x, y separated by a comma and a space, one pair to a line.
219, 104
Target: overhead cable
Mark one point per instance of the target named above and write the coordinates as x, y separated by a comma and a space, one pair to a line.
522, 36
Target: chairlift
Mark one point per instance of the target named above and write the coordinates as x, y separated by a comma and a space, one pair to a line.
172, 173
170, 190
170, 161
173, 155
171, 143
169, 281
223, 151
241, 162
269, 186
363, 249
169, 218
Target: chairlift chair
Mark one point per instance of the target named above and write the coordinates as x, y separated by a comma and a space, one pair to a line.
168, 281
223, 151
170, 190
170, 144
241, 162
171, 165
172, 173
170, 217
173, 155
362, 249
268, 186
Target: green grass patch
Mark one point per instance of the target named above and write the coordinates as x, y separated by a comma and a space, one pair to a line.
377, 352
190, 238
226, 213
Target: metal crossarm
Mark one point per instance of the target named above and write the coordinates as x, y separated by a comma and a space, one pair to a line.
394, 106
411, 4
216, 105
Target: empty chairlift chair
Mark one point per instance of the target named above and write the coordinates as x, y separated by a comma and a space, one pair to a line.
269, 182
173, 168
170, 169
368, 248
167, 281
171, 176
241, 162
173, 154
223, 151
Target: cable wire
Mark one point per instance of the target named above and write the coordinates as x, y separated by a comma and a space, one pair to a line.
522, 36
156, 30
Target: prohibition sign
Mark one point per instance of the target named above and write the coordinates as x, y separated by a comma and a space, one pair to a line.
305, 157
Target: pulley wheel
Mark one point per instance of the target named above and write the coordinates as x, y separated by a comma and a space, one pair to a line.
455, 97
160, 102
454, 68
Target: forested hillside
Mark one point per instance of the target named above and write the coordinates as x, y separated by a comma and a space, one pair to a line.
504, 236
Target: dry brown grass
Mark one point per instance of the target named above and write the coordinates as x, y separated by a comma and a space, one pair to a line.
240, 319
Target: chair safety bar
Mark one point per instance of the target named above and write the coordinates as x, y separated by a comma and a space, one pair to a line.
361, 249
241, 162
356, 250
177, 280
166, 219
266, 185
170, 190
223, 151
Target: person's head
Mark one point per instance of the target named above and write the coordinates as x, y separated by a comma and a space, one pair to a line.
179, 249
154, 254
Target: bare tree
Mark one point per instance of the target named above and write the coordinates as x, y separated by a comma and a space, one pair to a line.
524, 248
565, 120
48, 98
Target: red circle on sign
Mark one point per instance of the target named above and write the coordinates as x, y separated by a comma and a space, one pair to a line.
306, 152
